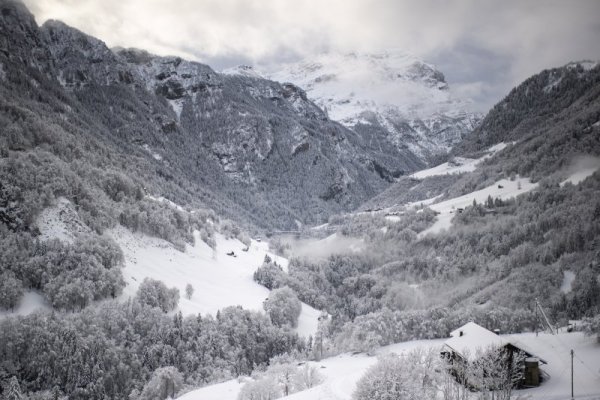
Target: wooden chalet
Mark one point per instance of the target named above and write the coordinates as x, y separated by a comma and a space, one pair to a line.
468, 342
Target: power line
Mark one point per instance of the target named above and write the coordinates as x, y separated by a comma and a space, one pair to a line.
576, 356
537, 303
565, 347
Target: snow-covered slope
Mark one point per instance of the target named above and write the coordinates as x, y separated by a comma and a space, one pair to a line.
342, 372
458, 164
219, 280
60, 222
393, 93
503, 189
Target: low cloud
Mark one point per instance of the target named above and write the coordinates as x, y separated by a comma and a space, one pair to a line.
483, 47
319, 249
580, 168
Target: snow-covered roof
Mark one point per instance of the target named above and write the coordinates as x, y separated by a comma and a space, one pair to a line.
519, 345
471, 338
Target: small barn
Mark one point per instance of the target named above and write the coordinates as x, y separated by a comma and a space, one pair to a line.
470, 341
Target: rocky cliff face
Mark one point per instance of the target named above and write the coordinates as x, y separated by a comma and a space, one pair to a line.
20, 42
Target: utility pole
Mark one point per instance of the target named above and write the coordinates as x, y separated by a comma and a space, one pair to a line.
536, 317
572, 354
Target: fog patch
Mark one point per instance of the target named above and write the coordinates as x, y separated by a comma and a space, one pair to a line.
567, 283
581, 168
323, 248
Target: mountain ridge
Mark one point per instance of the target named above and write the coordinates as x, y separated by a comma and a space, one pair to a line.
109, 160
241, 141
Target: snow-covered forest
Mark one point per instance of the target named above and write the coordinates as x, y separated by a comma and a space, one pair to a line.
170, 231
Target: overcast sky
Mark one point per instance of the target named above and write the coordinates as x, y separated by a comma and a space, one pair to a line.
483, 47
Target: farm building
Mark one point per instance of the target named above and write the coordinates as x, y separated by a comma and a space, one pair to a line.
474, 352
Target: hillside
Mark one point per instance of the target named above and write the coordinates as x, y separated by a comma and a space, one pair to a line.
549, 123
479, 237
165, 227
554, 98
239, 145
92, 157
342, 372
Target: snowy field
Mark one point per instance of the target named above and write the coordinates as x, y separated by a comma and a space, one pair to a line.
503, 189
342, 372
219, 280
459, 165
555, 349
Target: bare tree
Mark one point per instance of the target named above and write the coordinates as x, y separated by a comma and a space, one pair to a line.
307, 376
497, 371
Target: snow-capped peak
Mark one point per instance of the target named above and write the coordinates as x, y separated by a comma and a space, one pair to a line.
349, 84
392, 91
243, 70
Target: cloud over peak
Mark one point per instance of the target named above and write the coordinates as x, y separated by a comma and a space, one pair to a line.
483, 47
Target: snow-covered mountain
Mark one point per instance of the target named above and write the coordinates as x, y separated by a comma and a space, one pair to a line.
246, 143
393, 93
117, 165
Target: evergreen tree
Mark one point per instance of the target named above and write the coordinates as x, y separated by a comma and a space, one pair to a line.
13, 390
